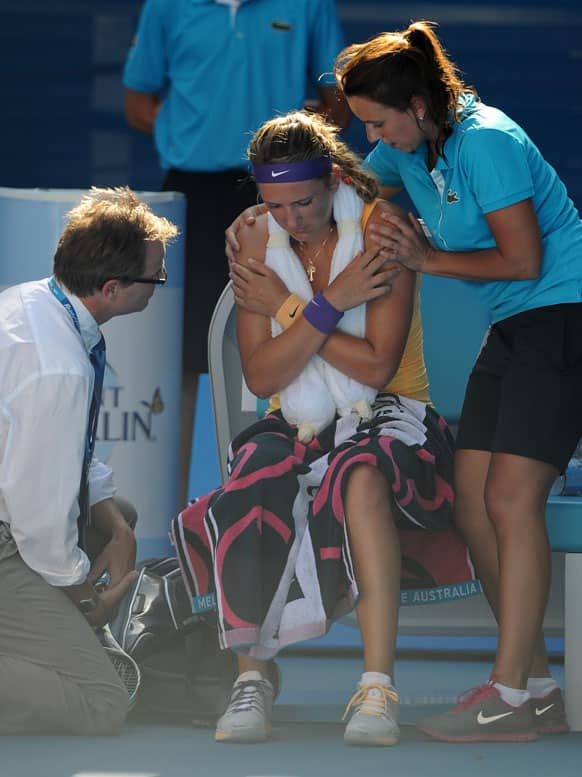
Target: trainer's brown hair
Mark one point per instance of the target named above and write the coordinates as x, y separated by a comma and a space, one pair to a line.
394, 67
105, 237
298, 136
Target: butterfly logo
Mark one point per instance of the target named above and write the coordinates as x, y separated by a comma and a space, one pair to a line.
156, 406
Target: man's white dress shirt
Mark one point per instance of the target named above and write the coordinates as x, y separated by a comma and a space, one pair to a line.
46, 385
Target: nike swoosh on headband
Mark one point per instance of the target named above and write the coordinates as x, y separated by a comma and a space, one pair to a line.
303, 170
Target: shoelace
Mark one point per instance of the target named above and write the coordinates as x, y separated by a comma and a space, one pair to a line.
371, 699
248, 694
475, 695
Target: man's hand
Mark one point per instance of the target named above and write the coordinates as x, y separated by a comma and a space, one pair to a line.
117, 557
257, 288
108, 601
364, 279
248, 216
141, 110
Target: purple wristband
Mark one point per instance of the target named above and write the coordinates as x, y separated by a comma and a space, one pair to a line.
321, 314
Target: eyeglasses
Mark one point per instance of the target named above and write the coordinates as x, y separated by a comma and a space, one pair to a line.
160, 278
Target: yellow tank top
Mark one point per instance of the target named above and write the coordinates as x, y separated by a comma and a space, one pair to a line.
411, 379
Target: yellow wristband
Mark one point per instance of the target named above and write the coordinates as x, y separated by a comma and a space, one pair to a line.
289, 311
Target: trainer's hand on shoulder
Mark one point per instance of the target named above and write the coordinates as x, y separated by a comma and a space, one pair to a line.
248, 216
402, 240
257, 288
367, 277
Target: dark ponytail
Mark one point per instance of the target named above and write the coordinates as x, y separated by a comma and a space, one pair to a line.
394, 67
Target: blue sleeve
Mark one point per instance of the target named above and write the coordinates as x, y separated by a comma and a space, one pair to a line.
383, 162
326, 40
147, 65
496, 166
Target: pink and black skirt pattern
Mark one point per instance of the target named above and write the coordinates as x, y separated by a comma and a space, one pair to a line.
270, 550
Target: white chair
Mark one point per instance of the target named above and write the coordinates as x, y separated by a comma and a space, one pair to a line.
234, 406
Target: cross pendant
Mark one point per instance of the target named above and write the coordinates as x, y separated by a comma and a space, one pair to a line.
311, 273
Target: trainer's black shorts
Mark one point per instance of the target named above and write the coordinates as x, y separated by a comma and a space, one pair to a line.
213, 201
524, 394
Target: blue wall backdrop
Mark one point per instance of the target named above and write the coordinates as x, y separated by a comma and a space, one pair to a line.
61, 97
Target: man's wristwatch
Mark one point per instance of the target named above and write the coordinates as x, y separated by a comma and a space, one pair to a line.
87, 605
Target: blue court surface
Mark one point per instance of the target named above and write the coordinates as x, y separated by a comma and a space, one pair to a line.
307, 736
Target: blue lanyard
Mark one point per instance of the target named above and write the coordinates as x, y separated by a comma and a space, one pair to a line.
97, 359
65, 302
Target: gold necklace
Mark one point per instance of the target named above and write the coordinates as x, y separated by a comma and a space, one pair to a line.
311, 268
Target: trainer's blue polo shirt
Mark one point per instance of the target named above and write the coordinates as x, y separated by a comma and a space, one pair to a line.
489, 163
222, 71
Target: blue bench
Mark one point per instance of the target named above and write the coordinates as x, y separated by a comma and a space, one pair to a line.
454, 326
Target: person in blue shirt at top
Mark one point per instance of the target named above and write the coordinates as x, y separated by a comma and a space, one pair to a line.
499, 219
202, 76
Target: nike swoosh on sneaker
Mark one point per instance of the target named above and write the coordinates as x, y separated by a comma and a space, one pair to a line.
543, 709
484, 720
276, 175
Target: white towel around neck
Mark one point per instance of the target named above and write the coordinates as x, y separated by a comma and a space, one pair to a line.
311, 400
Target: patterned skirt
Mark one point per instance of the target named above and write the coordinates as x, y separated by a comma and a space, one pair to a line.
269, 550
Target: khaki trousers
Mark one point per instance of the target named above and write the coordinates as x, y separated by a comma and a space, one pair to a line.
55, 677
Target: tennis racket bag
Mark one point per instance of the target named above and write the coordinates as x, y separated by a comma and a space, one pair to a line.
184, 674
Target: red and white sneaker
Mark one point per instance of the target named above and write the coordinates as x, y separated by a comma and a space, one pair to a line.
483, 716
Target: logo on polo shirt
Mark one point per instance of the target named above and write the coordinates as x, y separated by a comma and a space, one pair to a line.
283, 26
452, 197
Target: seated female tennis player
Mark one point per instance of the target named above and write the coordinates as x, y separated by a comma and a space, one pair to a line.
351, 452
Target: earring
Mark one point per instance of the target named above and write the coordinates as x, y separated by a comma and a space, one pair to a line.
421, 118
